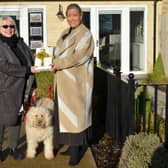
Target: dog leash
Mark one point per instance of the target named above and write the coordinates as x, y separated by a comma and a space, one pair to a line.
32, 102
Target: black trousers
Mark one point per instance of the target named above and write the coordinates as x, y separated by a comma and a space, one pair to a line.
14, 133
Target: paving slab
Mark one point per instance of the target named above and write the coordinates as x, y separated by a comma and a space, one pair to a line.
59, 161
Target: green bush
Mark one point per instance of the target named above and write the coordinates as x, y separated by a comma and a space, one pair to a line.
139, 110
138, 150
158, 74
149, 114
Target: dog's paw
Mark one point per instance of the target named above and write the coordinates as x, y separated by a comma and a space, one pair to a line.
30, 156
49, 156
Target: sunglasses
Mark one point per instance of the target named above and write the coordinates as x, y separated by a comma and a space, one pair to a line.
10, 26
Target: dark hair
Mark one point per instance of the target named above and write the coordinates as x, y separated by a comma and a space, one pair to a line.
71, 6
74, 6
65, 35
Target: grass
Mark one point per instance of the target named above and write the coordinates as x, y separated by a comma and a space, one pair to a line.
158, 74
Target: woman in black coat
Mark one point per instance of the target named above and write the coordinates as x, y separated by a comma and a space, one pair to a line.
17, 82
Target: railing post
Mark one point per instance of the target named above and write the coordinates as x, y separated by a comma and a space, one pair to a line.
131, 102
156, 110
118, 105
144, 107
166, 119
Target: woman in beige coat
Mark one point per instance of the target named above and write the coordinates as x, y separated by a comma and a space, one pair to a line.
73, 65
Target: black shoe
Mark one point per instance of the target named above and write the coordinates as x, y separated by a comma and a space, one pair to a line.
82, 150
2, 156
16, 154
76, 153
75, 156
66, 152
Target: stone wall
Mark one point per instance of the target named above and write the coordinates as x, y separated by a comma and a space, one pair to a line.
164, 40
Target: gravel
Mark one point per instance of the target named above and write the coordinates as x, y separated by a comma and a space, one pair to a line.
106, 153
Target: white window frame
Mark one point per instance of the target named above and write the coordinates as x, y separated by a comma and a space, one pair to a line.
125, 35
23, 17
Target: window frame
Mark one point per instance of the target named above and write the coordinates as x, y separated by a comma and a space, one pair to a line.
125, 34
23, 18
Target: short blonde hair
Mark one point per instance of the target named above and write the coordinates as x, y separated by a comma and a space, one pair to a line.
12, 21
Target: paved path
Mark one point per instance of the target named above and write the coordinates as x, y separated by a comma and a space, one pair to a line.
40, 162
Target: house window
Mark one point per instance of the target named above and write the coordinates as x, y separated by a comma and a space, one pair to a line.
29, 21
109, 39
136, 40
119, 33
35, 21
86, 19
14, 15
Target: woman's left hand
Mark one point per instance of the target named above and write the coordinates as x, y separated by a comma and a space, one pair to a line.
34, 69
53, 68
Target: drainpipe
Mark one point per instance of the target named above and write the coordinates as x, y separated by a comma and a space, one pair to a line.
154, 31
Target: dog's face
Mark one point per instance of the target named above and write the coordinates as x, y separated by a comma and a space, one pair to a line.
38, 117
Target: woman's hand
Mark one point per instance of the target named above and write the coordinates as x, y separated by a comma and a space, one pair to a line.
34, 69
53, 68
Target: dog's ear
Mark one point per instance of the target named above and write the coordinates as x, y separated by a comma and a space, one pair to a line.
29, 115
31, 110
48, 118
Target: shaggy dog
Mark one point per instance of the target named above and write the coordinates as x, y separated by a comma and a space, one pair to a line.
39, 128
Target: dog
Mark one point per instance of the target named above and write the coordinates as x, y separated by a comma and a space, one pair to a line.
39, 128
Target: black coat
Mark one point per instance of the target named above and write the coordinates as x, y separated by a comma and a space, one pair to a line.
15, 86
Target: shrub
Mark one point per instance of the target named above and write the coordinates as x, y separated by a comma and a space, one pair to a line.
158, 74
149, 114
138, 150
139, 109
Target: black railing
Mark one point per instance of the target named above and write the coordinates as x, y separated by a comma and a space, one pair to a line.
116, 105
113, 104
157, 113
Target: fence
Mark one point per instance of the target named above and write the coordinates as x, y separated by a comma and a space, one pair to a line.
159, 103
115, 105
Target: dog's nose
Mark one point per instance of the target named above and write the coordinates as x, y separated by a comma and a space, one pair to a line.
39, 121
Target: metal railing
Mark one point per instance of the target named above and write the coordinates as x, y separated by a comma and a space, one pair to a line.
158, 95
118, 105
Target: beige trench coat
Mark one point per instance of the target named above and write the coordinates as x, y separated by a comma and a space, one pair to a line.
74, 79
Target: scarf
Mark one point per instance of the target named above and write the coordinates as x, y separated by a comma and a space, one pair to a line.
12, 43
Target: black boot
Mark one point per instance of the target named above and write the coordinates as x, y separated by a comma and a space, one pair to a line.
75, 156
76, 153
16, 154
2, 156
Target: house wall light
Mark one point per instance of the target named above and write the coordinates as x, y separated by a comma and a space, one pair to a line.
60, 13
